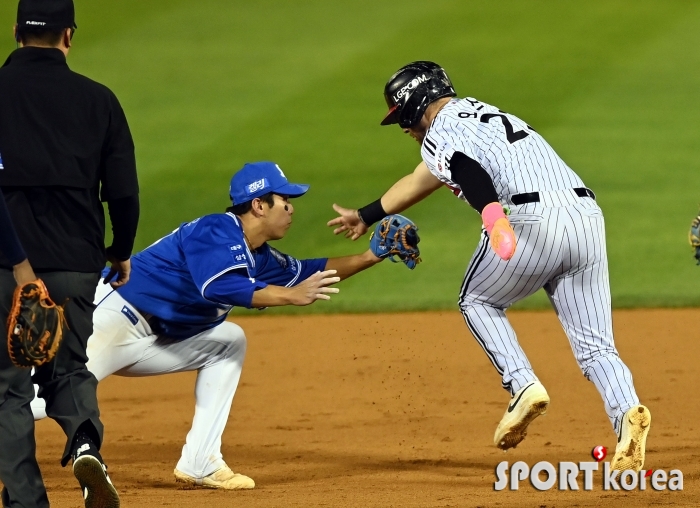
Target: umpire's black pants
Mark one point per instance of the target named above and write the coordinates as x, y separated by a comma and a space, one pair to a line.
69, 389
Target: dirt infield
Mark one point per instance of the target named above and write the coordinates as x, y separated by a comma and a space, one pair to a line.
395, 410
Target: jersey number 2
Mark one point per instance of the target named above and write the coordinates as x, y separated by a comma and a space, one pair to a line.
511, 135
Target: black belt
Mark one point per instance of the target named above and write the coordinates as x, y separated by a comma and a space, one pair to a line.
534, 197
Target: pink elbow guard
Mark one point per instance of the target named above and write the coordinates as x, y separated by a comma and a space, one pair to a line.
490, 214
501, 234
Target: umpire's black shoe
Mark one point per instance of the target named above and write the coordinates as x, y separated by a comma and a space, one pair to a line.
91, 472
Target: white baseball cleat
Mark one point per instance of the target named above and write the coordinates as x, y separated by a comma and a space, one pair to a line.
632, 441
527, 404
222, 478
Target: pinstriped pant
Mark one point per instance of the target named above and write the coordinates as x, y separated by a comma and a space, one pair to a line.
561, 248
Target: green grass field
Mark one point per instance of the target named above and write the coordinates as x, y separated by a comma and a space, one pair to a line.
212, 84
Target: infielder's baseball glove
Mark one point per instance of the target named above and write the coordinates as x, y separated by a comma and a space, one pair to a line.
694, 236
395, 235
34, 326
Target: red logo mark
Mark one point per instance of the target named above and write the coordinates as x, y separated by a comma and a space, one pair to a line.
599, 453
648, 473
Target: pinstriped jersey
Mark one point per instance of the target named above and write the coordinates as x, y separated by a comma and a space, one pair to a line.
516, 157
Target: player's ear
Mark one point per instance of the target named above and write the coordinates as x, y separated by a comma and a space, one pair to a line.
256, 206
15, 32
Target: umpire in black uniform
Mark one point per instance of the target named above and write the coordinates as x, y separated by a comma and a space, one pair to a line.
65, 146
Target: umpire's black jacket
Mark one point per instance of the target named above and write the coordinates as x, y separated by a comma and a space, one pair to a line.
64, 146
63, 135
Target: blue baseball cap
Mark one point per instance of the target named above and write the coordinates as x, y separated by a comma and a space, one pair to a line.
256, 179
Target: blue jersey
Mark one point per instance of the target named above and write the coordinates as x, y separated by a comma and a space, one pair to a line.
169, 279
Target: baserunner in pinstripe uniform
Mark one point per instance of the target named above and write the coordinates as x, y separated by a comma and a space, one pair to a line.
553, 238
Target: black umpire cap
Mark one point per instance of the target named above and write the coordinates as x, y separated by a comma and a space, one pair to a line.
46, 14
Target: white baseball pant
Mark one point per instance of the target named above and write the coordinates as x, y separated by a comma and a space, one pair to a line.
122, 347
561, 247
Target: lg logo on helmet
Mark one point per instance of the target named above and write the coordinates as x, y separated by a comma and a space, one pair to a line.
410, 86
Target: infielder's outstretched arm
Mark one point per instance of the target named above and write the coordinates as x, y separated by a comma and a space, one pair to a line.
315, 287
408, 191
347, 266
306, 292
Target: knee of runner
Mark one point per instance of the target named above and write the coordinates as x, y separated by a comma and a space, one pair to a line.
464, 303
468, 301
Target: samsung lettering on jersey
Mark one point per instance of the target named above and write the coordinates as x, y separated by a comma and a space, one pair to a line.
410, 86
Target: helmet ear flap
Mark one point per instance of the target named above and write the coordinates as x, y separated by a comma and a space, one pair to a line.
434, 87
424, 95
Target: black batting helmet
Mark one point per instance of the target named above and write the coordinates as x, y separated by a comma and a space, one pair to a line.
411, 89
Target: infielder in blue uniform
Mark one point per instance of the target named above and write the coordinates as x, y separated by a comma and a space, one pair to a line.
171, 316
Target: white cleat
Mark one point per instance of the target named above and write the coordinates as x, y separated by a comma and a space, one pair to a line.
222, 478
632, 441
527, 404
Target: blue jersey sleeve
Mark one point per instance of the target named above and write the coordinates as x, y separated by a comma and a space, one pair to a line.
233, 288
279, 269
310, 267
212, 246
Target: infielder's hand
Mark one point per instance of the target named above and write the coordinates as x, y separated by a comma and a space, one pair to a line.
315, 288
349, 222
122, 269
